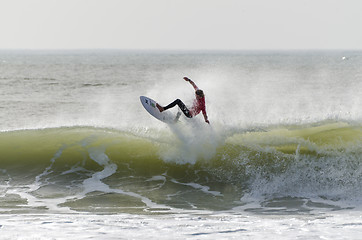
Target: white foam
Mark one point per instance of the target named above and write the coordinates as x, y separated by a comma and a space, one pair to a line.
95, 183
183, 225
205, 189
26, 191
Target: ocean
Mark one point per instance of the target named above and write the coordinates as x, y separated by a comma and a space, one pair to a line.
81, 158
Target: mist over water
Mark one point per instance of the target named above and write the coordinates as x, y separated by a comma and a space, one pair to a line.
249, 88
284, 139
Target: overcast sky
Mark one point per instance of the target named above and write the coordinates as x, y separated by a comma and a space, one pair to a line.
181, 24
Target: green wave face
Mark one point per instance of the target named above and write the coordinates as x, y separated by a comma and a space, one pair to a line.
106, 170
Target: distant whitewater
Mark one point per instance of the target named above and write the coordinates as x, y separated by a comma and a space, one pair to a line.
285, 139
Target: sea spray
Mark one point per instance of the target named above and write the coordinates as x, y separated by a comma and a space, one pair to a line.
194, 140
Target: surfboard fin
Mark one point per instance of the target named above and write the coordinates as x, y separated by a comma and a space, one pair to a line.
177, 116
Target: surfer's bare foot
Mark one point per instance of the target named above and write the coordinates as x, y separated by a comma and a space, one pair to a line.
159, 107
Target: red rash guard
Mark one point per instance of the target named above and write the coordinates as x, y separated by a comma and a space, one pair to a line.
198, 106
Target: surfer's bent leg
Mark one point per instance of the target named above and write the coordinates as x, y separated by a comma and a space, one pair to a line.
181, 105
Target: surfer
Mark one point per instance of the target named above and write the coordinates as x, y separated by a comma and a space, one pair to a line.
197, 107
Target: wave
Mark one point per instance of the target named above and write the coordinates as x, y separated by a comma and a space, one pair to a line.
323, 161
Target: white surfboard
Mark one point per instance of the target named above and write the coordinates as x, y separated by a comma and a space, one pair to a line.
150, 105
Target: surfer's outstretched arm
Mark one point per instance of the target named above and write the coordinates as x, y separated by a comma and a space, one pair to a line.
191, 82
205, 116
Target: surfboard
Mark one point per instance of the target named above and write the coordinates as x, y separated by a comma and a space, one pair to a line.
165, 116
